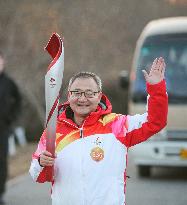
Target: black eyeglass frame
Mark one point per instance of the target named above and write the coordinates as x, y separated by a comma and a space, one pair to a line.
86, 95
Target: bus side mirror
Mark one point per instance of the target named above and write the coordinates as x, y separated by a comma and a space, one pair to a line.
124, 79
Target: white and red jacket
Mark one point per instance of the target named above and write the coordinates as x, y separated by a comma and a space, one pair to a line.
90, 168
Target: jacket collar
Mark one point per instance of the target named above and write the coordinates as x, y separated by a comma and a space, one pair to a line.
103, 108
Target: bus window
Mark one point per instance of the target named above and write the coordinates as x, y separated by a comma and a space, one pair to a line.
174, 50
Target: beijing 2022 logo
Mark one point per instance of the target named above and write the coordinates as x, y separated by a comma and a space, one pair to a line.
52, 82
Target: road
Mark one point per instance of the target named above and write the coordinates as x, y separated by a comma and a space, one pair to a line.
165, 187
23, 191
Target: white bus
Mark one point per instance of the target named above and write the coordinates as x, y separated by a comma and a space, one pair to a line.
167, 38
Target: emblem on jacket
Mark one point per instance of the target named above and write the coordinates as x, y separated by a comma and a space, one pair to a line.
97, 153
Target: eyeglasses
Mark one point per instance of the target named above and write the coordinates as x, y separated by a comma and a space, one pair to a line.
87, 93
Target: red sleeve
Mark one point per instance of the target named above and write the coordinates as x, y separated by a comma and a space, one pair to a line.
38, 173
141, 127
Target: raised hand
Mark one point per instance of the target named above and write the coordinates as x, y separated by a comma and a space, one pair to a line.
157, 71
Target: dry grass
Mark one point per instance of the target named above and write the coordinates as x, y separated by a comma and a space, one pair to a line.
20, 163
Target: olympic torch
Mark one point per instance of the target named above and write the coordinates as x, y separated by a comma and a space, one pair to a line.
53, 82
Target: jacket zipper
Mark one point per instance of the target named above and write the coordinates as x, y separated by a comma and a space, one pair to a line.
83, 174
81, 132
80, 129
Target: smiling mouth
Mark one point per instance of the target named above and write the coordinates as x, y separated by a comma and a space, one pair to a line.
82, 105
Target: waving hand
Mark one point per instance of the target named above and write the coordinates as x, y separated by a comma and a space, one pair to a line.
157, 71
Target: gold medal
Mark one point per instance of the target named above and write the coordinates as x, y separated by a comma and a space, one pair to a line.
97, 154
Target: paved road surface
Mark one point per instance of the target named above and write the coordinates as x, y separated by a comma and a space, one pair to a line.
165, 187
23, 191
